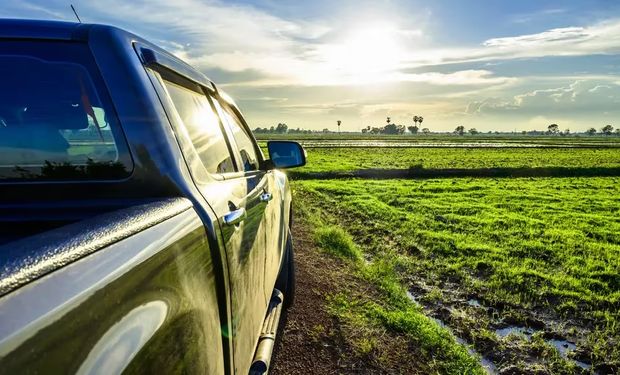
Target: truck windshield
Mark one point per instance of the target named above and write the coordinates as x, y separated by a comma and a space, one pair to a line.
54, 121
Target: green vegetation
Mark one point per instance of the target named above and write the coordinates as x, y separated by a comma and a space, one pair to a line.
545, 249
525, 270
337, 242
346, 159
367, 319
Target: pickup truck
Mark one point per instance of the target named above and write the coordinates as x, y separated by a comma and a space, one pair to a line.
142, 230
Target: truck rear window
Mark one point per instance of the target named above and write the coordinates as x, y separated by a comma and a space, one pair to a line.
56, 122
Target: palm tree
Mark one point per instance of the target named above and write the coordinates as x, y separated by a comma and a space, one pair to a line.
415, 120
388, 120
420, 119
338, 122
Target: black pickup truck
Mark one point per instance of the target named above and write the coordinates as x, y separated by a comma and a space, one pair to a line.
142, 230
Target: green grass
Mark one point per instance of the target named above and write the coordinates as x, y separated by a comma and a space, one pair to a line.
544, 245
336, 241
346, 159
367, 321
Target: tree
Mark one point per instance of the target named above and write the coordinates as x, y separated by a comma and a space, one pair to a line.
420, 119
392, 129
618, 132
413, 129
281, 128
338, 122
460, 130
389, 120
426, 131
473, 131
607, 129
553, 129
591, 131
415, 120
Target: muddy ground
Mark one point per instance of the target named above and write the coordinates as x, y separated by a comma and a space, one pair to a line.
312, 341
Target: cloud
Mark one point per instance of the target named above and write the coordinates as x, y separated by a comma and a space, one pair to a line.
583, 96
463, 77
259, 48
602, 38
219, 35
537, 16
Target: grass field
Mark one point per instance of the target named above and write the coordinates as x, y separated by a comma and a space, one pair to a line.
347, 159
524, 270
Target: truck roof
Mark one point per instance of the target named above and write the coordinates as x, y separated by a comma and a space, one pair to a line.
40, 29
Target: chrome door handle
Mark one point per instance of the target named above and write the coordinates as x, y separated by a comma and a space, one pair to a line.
266, 197
235, 217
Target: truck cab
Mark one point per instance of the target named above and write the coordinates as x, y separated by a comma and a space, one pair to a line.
142, 227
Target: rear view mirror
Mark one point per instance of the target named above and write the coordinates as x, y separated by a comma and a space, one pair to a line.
286, 154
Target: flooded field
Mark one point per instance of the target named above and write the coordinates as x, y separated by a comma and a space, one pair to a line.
447, 144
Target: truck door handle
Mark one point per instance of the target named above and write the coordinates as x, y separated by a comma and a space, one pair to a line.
266, 197
235, 217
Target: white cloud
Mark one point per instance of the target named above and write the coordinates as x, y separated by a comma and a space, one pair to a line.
537, 16
601, 38
583, 96
463, 77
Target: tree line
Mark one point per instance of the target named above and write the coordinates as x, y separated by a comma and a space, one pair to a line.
391, 128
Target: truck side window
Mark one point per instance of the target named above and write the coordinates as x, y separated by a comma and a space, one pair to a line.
203, 128
242, 139
55, 120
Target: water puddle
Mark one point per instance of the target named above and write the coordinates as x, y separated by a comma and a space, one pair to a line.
515, 330
564, 347
411, 297
486, 363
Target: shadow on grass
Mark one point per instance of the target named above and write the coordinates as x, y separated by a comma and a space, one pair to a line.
417, 172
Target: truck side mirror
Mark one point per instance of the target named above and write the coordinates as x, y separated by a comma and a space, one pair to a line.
286, 154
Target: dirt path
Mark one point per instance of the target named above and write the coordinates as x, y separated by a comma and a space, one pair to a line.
311, 341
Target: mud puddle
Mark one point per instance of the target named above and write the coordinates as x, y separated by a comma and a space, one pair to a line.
526, 333
487, 364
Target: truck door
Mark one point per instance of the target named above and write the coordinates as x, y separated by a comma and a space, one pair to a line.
270, 197
235, 196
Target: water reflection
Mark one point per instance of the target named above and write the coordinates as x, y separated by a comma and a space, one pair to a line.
442, 144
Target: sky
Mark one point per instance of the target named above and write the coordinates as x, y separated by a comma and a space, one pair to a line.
490, 65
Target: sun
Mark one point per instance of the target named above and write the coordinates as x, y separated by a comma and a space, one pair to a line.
366, 54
